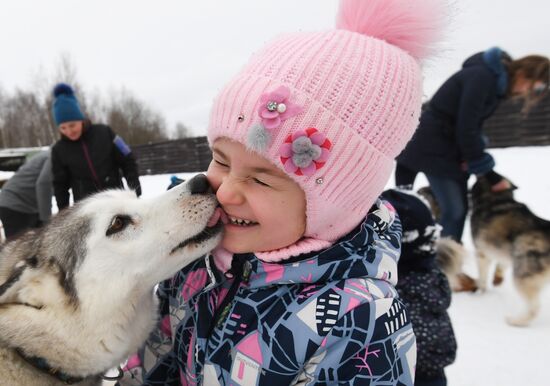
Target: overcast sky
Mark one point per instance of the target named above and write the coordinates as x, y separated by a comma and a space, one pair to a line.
176, 54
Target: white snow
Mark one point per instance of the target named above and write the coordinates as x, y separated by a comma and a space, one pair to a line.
490, 352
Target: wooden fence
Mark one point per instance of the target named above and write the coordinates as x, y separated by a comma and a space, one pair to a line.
509, 126
176, 156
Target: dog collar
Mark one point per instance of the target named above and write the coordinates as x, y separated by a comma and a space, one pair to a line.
42, 365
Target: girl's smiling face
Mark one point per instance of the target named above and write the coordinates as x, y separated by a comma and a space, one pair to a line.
266, 208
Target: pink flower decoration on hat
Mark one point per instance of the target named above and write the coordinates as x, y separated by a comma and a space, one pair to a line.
275, 107
304, 152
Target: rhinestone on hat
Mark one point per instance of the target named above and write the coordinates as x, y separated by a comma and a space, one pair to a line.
240, 118
319, 181
271, 106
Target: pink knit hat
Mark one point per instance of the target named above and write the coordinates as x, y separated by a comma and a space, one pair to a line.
333, 109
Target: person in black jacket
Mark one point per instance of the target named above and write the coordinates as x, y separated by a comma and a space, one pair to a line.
88, 157
449, 145
424, 289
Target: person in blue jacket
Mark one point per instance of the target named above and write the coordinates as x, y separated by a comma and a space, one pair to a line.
449, 145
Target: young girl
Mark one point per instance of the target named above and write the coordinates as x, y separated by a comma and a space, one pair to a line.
301, 290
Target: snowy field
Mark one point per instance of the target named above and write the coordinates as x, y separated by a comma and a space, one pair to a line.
490, 353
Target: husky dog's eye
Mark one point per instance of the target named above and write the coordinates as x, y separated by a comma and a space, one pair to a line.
118, 223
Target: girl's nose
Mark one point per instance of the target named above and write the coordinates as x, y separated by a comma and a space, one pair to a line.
229, 192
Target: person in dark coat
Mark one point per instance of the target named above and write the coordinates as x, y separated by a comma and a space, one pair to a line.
26, 198
449, 144
424, 289
88, 157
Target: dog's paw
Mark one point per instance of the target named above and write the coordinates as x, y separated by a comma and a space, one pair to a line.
497, 280
498, 277
518, 321
464, 283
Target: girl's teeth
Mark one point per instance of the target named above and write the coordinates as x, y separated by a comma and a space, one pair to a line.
239, 221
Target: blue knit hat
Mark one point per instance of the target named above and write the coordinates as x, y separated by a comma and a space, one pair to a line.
65, 105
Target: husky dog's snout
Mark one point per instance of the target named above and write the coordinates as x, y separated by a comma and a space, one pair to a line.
199, 185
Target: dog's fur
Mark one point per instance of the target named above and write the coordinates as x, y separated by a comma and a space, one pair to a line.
508, 232
450, 254
427, 193
78, 293
450, 257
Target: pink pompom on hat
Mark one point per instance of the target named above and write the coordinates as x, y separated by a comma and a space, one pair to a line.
333, 109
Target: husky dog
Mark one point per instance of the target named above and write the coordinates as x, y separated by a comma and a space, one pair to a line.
508, 232
76, 296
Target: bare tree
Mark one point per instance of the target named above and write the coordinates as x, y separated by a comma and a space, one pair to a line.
180, 131
26, 119
133, 120
41, 86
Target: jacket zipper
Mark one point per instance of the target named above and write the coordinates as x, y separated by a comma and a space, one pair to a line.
236, 272
97, 182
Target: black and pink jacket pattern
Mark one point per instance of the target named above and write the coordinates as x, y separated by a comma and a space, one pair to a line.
332, 317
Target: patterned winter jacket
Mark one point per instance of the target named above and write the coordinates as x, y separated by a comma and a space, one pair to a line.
332, 317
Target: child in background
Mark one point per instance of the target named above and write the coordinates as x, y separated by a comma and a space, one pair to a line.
424, 289
301, 289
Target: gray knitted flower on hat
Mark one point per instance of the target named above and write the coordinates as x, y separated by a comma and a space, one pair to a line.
305, 151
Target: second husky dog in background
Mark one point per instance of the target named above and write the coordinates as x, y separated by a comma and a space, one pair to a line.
507, 232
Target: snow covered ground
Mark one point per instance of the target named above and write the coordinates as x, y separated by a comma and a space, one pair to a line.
490, 353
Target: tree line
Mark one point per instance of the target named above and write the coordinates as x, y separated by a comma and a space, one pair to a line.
26, 121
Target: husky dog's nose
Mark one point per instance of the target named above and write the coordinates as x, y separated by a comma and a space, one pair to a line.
199, 184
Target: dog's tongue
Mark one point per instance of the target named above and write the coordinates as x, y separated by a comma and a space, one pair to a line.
218, 213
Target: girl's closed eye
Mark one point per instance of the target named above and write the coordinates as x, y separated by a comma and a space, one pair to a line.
220, 163
260, 182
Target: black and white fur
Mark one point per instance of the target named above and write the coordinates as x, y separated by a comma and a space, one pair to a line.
507, 232
78, 293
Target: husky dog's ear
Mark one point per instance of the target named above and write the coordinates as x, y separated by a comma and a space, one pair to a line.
22, 325
9, 286
32, 286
